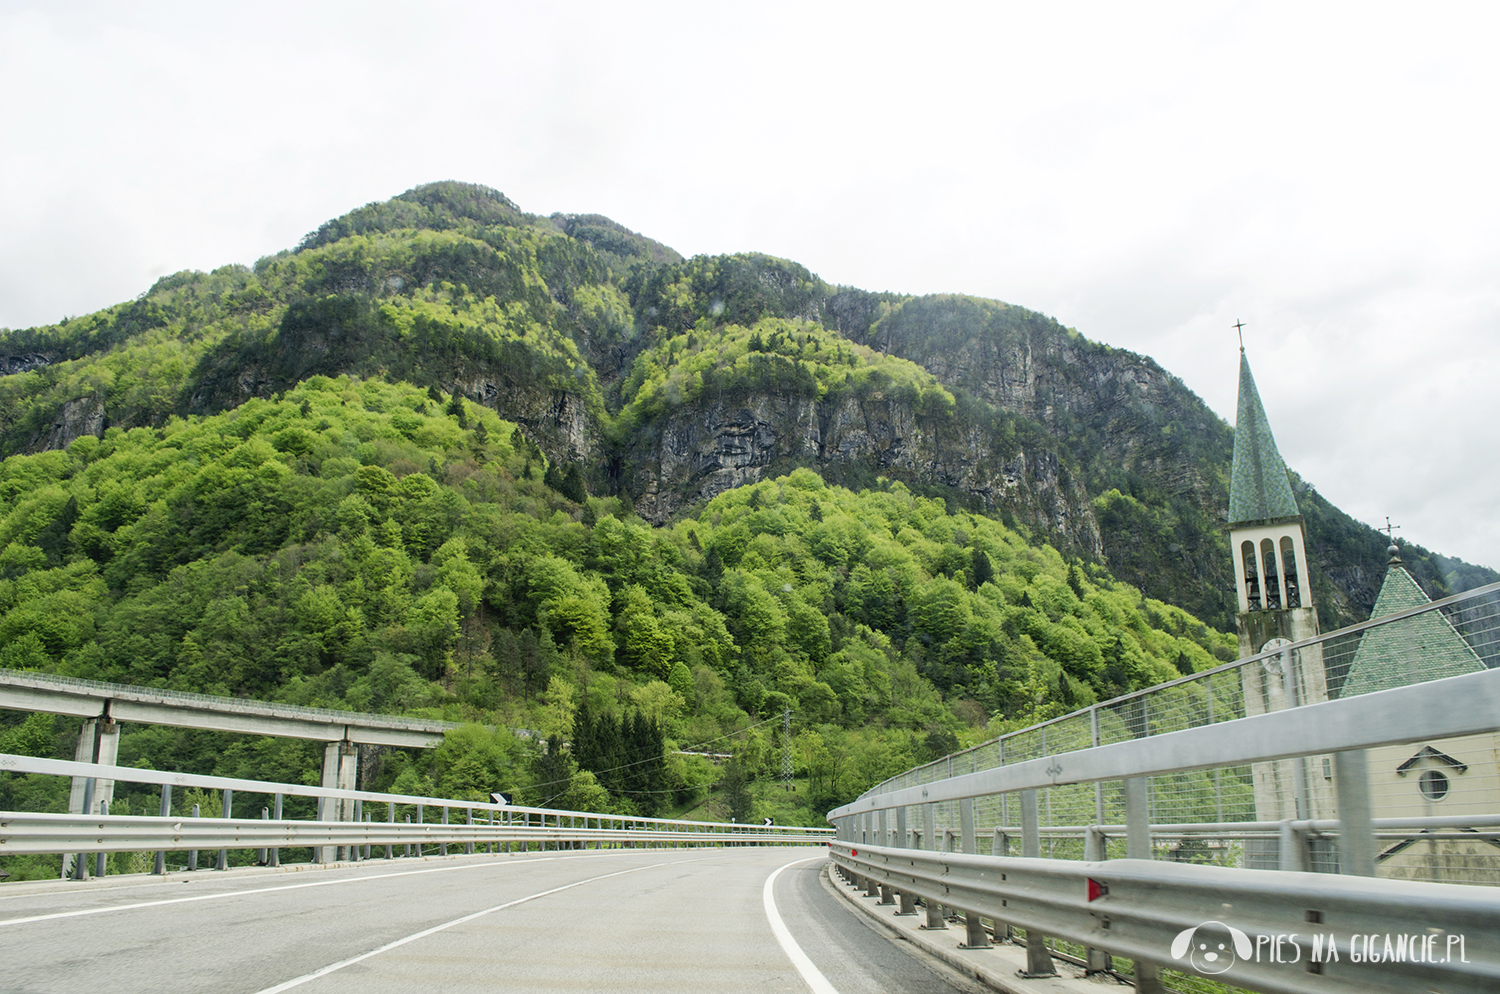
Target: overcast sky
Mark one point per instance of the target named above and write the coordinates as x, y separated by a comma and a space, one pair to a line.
1145, 173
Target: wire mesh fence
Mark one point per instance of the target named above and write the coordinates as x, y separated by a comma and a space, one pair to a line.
1228, 816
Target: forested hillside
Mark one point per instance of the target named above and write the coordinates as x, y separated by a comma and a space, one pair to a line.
668, 381
372, 546
452, 458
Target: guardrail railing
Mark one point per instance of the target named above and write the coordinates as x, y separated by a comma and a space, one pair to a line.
1299, 787
1432, 734
1288, 933
351, 824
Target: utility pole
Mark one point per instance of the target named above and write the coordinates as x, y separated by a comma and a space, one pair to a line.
786, 749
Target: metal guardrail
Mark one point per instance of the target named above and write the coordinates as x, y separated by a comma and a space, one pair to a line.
1064, 791
1460, 705
1298, 933
1208, 697
54, 833
494, 824
1413, 775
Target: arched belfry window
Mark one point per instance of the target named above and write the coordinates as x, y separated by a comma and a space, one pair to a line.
1289, 571
1273, 585
1252, 575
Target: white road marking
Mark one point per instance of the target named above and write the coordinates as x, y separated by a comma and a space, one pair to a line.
332, 967
266, 890
811, 974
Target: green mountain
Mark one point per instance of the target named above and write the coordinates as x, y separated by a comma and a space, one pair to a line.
668, 381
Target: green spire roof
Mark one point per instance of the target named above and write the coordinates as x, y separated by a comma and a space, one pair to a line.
1258, 487
1423, 647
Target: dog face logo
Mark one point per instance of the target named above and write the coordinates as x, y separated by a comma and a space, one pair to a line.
1212, 946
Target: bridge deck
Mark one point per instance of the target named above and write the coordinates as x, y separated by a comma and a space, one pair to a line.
29, 691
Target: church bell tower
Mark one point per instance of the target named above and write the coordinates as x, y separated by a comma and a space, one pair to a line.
1269, 548
1266, 536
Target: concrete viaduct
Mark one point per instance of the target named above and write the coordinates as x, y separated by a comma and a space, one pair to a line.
104, 705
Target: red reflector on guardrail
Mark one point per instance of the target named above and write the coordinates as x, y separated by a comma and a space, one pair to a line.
1096, 889
853, 852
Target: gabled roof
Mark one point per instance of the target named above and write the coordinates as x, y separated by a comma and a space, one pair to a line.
1428, 752
1258, 486
1421, 648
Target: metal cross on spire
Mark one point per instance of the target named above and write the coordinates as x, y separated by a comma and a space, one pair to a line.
1389, 528
1238, 327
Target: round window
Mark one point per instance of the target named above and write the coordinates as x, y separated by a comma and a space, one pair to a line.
1434, 785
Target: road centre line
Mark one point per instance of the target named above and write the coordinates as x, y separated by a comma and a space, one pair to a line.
265, 890
334, 967
810, 974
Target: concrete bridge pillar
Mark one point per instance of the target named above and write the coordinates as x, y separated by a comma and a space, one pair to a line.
98, 742
340, 772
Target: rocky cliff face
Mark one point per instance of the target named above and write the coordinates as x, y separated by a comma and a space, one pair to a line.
1123, 422
23, 363
700, 451
557, 421
83, 416
1108, 405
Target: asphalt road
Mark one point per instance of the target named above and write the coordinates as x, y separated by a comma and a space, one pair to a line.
691, 920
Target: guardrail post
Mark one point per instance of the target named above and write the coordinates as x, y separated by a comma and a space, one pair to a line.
469, 846
359, 816
1351, 781
408, 845
937, 915
228, 812
1095, 851
99, 861
1038, 957
1293, 847
929, 838
880, 828
443, 846
81, 862
1000, 846
1137, 819
421, 820
320, 853
966, 824
390, 818
1138, 846
275, 852
165, 811
263, 856
193, 853
903, 837
975, 937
